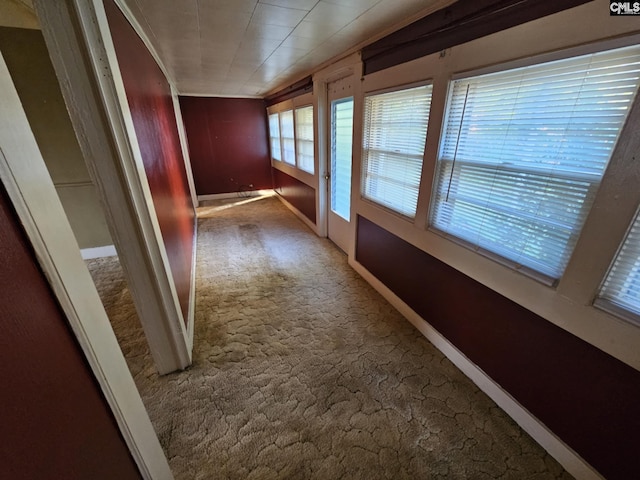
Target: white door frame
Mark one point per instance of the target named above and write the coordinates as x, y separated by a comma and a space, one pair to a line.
341, 233
79, 42
345, 67
32, 193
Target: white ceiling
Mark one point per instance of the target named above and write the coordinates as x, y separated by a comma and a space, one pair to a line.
253, 47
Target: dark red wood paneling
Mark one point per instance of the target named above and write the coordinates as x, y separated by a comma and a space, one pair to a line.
149, 96
227, 144
297, 193
586, 397
55, 421
461, 22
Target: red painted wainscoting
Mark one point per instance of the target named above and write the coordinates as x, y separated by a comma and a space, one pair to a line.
297, 193
227, 144
55, 421
149, 96
586, 397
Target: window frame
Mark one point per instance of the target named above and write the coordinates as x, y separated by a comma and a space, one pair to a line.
312, 141
271, 137
533, 61
292, 168
291, 139
363, 151
607, 305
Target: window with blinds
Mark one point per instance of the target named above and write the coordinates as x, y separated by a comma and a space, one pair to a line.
395, 131
620, 292
274, 136
304, 138
288, 137
523, 151
341, 152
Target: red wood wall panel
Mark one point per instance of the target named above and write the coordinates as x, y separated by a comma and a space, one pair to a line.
585, 396
55, 421
149, 96
297, 193
228, 144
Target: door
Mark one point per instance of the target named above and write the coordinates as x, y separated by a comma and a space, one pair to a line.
340, 108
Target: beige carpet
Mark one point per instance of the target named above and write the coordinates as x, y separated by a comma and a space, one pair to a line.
302, 371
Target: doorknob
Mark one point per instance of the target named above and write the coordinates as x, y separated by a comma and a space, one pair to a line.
327, 176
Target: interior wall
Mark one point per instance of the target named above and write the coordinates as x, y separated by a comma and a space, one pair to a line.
585, 396
228, 146
28, 61
297, 193
56, 423
150, 101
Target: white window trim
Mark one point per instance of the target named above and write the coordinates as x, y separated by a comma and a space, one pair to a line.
292, 170
533, 61
295, 126
360, 180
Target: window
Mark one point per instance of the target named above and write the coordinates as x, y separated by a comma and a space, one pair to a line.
274, 136
621, 288
288, 137
291, 136
304, 138
395, 131
341, 153
523, 151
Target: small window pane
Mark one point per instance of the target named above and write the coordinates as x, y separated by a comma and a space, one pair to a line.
288, 139
622, 285
304, 138
341, 152
274, 136
395, 131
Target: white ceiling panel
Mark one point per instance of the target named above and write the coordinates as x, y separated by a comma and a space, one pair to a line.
252, 47
274, 15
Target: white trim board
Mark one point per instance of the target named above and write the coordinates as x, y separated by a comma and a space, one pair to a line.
191, 313
240, 195
565, 455
98, 252
184, 144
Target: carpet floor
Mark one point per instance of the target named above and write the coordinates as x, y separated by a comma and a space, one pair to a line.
302, 371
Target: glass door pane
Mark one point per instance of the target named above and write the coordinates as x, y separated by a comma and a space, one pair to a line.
341, 143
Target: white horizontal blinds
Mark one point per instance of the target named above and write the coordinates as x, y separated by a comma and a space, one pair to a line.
523, 151
341, 152
274, 136
622, 285
395, 131
287, 137
304, 138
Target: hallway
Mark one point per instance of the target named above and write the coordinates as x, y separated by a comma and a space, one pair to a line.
301, 370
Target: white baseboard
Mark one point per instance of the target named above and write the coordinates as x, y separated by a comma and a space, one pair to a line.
223, 196
565, 455
299, 214
98, 252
